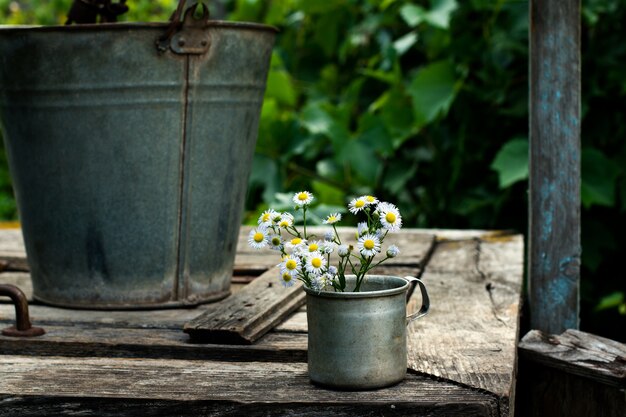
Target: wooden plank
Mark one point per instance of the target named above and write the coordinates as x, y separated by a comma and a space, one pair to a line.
102, 341
471, 331
12, 251
554, 204
53, 384
19, 279
247, 315
578, 353
573, 374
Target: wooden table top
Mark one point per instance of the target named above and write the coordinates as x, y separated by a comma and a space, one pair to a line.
461, 357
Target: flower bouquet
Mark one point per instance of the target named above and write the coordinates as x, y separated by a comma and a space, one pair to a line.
307, 257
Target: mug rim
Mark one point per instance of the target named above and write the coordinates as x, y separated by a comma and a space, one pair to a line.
363, 294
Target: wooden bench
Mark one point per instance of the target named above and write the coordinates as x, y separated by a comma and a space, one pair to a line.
462, 356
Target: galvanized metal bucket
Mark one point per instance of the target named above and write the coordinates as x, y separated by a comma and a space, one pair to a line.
130, 153
357, 340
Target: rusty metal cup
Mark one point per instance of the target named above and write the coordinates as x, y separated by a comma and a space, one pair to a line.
357, 340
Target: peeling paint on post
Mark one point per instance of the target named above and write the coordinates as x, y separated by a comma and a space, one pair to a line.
554, 240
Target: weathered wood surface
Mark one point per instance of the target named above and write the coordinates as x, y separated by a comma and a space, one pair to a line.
471, 331
554, 203
247, 315
578, 353
219, 388
145, 352
12, 252
574, 374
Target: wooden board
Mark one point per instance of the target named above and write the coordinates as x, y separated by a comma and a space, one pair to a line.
250, 313
470, 334
103, 386
555, 155
578, 353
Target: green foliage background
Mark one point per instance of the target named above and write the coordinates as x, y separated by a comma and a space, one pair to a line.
424, 103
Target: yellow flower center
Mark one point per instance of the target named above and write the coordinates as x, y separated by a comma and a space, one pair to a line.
359, 203
286, 277
370, 199
332, 218
390, 217
316, 262
296, 241
303, 196
291, 264
313, 247
284, 223
369, 244
266, 217
258, 237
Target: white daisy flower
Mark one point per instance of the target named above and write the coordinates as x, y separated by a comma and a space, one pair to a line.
327, 247
356, 205
361, 229
258, 238
319, 283
369, 245
384, 206
314, 246
303, 198
329, 236
266, 218
285, 221
369, 199
315, 263
393, 251
290, 264
333, 218
286, 279
275, 242
390, 219
293, 243
332, 270
343, 250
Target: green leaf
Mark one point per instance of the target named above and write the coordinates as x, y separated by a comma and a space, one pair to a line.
318, 120
317, 6
266, 175
328, 193
599, 175
398, 175
511, 162
279, 83
432, 91
439, 15
613, 300
373, 132
361, 159
403, 44
413, 15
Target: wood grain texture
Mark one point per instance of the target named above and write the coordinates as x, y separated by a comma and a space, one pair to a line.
102, 341
573, 374
223, 388
554, 204
470, 334
578, 353
250, 313
12, 251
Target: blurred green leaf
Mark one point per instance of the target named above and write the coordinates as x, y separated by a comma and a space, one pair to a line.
438, 16
599, 174
613, 300
413, 15
432, 91
279, 84
511, 162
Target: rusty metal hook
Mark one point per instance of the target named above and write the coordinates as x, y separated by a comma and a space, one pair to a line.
22, 327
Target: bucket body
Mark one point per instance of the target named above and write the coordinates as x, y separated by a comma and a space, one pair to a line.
357, 340
129, 166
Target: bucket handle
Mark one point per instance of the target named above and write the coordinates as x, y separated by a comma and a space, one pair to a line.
414, 282
186, 34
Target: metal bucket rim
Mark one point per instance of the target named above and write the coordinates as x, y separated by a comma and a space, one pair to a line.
133, 25
363, 294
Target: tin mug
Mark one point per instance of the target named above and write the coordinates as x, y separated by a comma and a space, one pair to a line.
357, 340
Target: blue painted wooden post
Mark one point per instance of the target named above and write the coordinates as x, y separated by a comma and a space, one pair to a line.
554, 252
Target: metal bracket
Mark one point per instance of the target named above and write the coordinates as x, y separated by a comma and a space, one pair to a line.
22, 327
189, 37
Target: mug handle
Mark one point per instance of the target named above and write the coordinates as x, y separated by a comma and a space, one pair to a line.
413, 282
